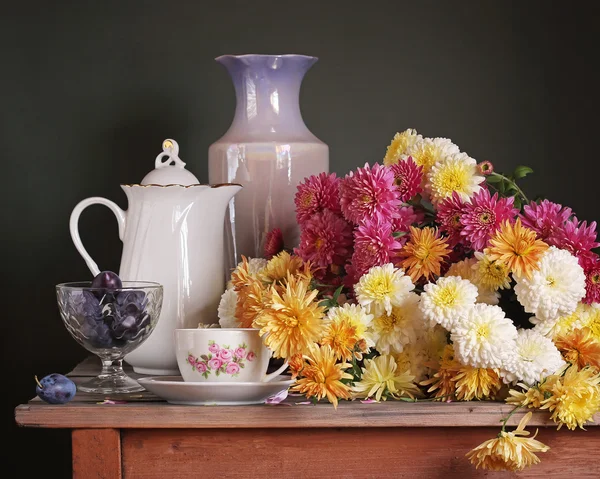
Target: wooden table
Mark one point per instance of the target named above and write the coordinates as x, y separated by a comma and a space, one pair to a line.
149, 438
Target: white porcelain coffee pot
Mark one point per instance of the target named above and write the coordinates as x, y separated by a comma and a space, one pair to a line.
173, 234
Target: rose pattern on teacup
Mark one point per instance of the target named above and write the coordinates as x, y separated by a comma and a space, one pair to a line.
221, 360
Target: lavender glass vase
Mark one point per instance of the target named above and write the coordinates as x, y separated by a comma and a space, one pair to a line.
268, 149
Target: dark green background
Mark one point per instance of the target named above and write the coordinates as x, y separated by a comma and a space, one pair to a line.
90, 90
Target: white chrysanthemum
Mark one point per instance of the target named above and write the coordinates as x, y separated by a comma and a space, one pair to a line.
444, 301
535, 358
457, 173
555, 288
467, 269
226, 309
208, 326
381, 288
426, 152
484, 337
393, 331
357, 317
421, 357
561, 325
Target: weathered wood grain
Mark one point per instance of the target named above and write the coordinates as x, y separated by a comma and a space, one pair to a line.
96, 454
340, 453
348, 414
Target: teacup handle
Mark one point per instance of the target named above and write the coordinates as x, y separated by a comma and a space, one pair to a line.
74, 226
273, 375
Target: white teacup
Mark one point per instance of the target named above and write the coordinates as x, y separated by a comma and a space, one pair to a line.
223, 355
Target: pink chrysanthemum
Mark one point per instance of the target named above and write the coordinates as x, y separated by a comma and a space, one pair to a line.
368, 192
483, 215
407, 177
577, 237
325, 239
449, 213
591, 267
545, 218
485, 168
317, 193
407, 216
374, 245
273, 243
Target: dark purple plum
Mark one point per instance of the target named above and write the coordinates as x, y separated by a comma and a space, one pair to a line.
107, 280
55, 389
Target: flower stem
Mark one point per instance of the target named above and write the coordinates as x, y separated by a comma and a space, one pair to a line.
505, 420
512, 184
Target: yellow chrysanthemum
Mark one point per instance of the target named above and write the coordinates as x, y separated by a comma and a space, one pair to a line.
380, 379
296, 364
563, 325
517, 247
580, 348
279, 266
346, 326
442, 382
508, 451
590, 318
322, 376
424, 252
429, 151
492, 274
293, 320
400, 145
467, 269
574, 398
477, 383
530, 397
455, 174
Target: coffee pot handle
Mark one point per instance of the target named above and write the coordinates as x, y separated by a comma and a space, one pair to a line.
74, 226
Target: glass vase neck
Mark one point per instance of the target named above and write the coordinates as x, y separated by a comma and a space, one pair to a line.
267, 91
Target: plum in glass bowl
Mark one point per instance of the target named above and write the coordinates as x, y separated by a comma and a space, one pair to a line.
110, 322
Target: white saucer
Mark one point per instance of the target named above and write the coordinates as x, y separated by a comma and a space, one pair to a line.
175, 390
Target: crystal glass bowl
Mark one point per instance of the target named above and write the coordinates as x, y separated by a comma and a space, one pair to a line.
110, 323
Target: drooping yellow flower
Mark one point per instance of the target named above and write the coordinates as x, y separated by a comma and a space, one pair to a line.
400, 145
477, 383
346, 326
443, 383
580, 348
293, 320
509, 451
492, 274
574, 398
423, 254
381, 379
517, 247
280, 265
322, 376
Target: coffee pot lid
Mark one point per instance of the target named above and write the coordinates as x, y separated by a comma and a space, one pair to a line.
169, 169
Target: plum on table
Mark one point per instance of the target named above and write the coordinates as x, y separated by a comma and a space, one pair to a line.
55, 389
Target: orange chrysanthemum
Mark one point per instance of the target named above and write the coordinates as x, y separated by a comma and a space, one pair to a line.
443, 383
580, 348
293, 320
322, 376
517, 247
424, 252
477, 383
280, 266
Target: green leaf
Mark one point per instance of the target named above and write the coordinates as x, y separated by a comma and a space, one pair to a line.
493, 178
517, 202
522, 172
399, 234
337, 293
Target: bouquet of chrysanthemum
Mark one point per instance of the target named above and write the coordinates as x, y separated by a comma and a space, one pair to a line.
433, 277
